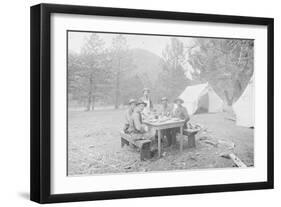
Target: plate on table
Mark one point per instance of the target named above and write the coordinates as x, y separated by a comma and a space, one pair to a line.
164, 119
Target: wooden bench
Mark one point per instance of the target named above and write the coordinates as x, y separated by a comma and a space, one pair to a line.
142, 144
190, 136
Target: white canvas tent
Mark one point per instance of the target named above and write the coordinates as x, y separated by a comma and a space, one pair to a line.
201, 95
244, 107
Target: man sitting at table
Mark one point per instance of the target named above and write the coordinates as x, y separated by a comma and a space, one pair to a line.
166, 111
180, 112
137, 129
128, 114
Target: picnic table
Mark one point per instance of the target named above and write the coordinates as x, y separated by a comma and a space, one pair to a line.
159, 125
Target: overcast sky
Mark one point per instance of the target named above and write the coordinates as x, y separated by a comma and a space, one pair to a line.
154, 44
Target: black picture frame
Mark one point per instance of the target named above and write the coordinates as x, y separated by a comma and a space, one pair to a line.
40, 184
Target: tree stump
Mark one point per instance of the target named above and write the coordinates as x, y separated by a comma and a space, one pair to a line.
191, 141
191, 137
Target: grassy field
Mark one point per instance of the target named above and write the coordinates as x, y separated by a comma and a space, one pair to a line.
94, 145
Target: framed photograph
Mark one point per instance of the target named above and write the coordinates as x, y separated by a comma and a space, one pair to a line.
132, 103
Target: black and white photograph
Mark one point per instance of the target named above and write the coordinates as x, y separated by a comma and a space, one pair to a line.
131, 103
140, 103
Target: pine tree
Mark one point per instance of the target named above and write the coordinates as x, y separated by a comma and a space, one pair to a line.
172, 78
227, 64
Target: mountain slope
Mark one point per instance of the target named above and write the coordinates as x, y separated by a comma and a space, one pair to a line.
147, 64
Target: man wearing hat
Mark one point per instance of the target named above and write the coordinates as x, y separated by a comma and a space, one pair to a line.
128, 114
136, 125
180, 112
166, 111
146, 99
137, 129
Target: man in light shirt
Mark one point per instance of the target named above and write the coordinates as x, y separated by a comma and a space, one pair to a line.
147, 100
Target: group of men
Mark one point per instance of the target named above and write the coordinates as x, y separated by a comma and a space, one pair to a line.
138, 109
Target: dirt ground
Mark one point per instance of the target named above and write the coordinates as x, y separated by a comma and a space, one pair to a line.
94, 145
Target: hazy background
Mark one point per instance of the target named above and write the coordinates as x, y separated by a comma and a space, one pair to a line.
105, 70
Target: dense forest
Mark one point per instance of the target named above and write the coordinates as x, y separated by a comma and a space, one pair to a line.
109, 76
